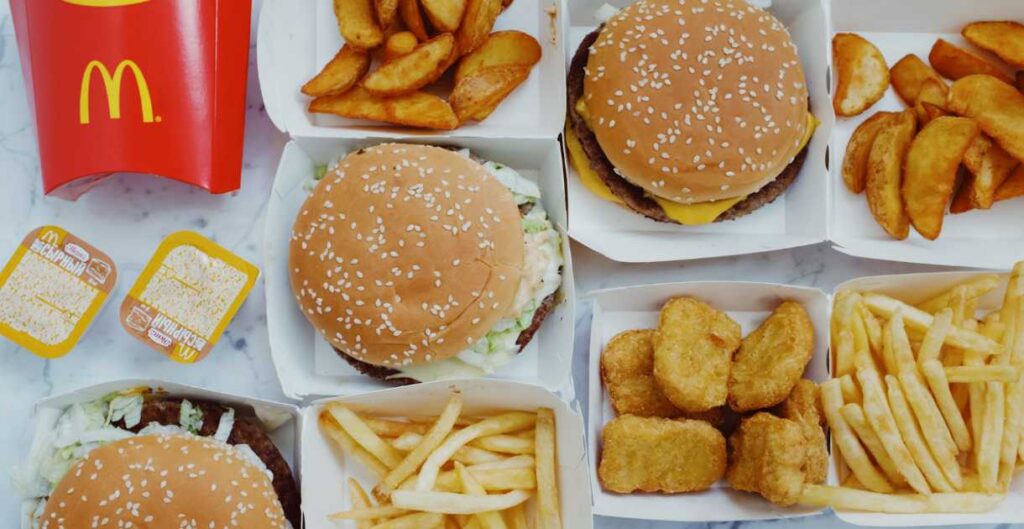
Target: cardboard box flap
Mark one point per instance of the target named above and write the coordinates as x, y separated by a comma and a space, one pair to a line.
306, 364
797, 218
297, 37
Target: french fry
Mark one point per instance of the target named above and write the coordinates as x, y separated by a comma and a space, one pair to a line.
997, 107
847, 499
930, 171
488, 519
362, 434
982, 373
854, 416
360, 500
844, 353
908, 429
871, 326
498, 479
340, 73
357, 23
419, 520
368, 513
885, 173
990, 444
433, 438
350, 446
976, 288
849, 447
1003, 38
855, 160
515, 517
933, 426
504, 423
908, 76
453, 503
936, 377
389, 428
955, 63
505, 444
931, 345
861, 71
919, 321
523, 461
548, 511
851, 393
468, 455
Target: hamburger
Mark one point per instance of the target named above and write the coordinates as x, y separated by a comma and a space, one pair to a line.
141, 459
688, 111
420, 263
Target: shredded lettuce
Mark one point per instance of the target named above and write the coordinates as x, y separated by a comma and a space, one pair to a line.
191, 417
127, 408
227, 423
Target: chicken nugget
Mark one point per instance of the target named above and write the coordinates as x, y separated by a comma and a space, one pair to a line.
767, 457
627, 370
803, 405
652, 454
693, 350
771, 359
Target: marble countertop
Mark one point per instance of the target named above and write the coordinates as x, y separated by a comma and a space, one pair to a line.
128, 215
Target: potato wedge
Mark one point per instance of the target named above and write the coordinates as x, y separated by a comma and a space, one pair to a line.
1012, 187
357, 23
418, 109
399, 44
990, 165
855, 162
342, 72
386, 10
502, 48
411, 72
444, 15
955, 63
477, 24
996, 106
930, 171
933, 92
475, 97
409, 12
884, 173
1003, 38
863, 75
908, 76
931, 112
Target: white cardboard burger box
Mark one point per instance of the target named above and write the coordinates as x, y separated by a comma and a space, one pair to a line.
307, 366
325, 470
980, 239
283, 421
797, 218
295, 38
915, 288
621, 309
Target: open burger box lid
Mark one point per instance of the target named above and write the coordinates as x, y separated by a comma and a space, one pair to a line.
296, 38
981, 239
325, 472
621, 309
915, 288
282, 421
307, 366
797, 218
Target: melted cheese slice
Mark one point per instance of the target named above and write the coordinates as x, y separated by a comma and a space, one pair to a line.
687, 214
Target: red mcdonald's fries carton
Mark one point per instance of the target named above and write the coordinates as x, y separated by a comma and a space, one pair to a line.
144, 86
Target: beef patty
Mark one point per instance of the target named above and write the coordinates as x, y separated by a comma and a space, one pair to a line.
247, 431
634, 197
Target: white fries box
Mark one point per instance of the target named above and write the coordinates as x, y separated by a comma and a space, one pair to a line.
282, 421
307, 366
295, 38
797, 218
622, 309
980, 239
915, 288
326, 469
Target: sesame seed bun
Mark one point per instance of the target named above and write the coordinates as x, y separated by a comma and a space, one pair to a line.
163, 481
406, 254
696, 100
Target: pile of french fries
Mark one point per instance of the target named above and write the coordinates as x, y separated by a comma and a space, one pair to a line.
926, 402
454, 472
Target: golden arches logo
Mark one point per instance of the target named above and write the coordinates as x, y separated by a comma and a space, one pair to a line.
105, 3
112, 85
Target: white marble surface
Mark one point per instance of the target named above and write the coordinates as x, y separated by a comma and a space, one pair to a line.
128, 215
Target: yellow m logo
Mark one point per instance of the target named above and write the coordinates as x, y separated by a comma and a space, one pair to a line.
105, 3
112, 85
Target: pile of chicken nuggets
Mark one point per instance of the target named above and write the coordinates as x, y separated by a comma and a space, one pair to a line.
679, 391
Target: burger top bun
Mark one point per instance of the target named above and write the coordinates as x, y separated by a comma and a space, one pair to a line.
696, 100
163, 481
406, 254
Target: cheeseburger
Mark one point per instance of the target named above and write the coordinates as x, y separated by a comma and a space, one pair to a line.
140, 459
688, 111
420, 263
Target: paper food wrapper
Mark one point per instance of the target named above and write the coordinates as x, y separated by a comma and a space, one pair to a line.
143, 86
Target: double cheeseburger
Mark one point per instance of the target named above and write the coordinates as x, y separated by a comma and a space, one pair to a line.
142, 459
688, 111
420, 263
